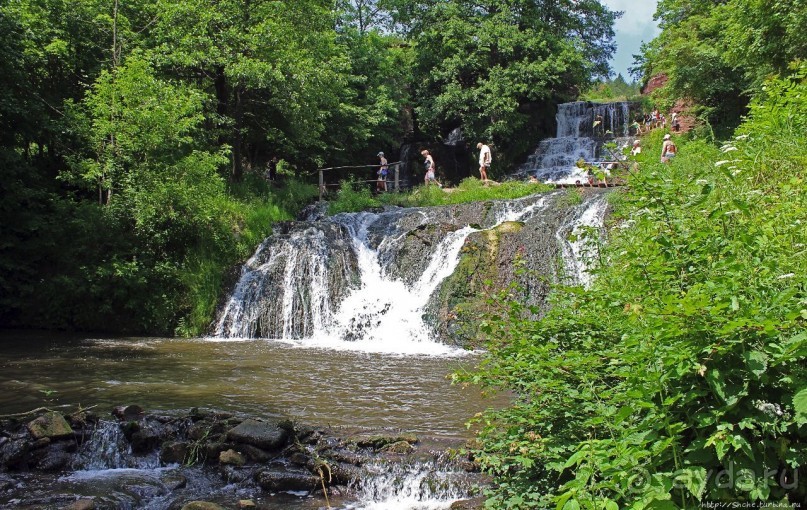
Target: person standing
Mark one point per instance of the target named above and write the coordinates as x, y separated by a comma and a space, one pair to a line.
382, 172
668, 149
430, 167
485, 157
271, 169
676, 125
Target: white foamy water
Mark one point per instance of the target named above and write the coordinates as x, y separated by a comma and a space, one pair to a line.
579, 247
341, 291
420, 486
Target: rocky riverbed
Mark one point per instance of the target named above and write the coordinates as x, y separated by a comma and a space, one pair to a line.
204, 459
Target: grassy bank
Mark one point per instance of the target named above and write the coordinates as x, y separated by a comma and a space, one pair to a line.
352, 199
251, 208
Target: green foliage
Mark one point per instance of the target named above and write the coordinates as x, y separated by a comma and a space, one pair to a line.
717, 53
613, 90
485, 65
680, 376
351, 198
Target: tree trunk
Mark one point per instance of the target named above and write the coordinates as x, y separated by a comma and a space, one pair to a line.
238, 170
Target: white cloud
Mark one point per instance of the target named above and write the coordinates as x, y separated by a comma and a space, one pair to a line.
634, 27
637, 18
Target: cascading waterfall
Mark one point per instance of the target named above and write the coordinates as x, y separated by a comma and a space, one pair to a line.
108, 449
421, 486
583, 127
289, 286
579, 240
339, 282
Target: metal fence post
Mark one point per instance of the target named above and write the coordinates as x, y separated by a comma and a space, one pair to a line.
397, 182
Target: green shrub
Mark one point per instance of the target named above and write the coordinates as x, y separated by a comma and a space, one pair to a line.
351, 197
680, 377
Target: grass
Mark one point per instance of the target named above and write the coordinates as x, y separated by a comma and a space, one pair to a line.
349, 199
251, 209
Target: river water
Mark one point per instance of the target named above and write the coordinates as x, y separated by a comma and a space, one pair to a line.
349, 389
320, 387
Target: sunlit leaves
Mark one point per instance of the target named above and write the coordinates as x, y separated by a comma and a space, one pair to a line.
684, 365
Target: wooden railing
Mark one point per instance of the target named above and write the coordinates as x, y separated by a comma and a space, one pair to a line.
393, 167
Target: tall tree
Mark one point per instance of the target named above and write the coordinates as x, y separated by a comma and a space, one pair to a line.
718, 52
279, 57
481, 64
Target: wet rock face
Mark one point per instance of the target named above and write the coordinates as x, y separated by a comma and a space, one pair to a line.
250, 454
525, 254
296, 253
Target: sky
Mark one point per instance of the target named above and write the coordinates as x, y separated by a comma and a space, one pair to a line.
635, 26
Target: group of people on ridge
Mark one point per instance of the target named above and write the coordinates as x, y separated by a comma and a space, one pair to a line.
668, 151
485, 158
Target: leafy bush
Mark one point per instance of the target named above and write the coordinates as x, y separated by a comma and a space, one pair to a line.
680, 377
352, 197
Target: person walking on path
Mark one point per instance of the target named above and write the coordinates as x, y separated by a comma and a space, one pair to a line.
485, 157
430, 166
382, 172
668, 149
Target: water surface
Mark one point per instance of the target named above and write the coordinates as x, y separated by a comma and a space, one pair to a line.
319, 387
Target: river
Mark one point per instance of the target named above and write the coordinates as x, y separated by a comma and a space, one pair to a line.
258, 377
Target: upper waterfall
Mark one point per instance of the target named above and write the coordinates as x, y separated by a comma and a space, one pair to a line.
583, 128
371, 281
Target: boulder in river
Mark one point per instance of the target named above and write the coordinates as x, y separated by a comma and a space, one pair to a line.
50, 425
275, 481
267, 436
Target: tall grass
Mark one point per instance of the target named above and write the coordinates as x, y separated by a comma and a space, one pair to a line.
250, 208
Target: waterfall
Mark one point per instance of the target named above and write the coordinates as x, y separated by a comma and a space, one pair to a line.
289, 287
109, 449
368, 281
579, 239
583, 127
421, 486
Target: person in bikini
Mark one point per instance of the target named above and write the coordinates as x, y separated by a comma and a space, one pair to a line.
382, 172
430, 167
668, 149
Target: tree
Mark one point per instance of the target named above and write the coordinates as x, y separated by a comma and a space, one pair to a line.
481, 65
275, 58
717, 52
